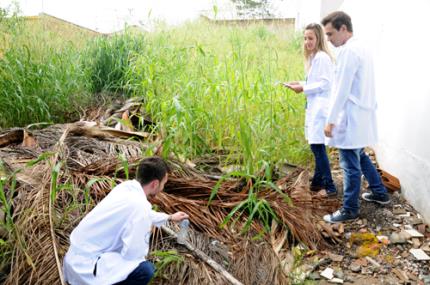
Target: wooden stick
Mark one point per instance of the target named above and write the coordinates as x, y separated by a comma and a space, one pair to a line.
200, 254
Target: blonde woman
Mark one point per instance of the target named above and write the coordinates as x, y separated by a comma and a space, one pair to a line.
319, 68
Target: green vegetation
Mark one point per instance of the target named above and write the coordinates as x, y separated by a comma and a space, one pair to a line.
40, 80
217, 90
210, 88
108, 60
165, 258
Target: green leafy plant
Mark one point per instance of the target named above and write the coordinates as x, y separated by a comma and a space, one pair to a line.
255, 207
108, 59
166, 258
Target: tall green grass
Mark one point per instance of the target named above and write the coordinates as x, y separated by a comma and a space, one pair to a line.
107, 61
35, 89
41, 79
208, 87
214, 87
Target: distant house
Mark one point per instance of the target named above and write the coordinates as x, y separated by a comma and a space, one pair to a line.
57, 28
230, 19
60, 26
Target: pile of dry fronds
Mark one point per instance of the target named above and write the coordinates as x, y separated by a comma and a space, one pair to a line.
57, 174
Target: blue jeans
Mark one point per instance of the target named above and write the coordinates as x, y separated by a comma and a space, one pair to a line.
141, 275
322, 175
355, 162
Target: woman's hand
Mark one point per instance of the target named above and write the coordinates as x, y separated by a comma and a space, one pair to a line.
295, 86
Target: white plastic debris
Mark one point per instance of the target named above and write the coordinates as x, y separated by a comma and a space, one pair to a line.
183, 231
414, 233
336, 280
327, 273
419, 254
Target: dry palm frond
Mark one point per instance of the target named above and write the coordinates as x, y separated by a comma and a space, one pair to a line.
192, 195
91, 164
256, 257
36, 238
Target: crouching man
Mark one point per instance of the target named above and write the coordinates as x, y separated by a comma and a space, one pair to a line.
110, 244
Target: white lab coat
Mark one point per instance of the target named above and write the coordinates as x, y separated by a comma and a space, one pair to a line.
317, 90
353, 101
114, 235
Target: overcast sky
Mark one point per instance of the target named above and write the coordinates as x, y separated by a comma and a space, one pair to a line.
110, 15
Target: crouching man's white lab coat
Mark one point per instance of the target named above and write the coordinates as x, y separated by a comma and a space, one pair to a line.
317, 91
113, 238
353, 101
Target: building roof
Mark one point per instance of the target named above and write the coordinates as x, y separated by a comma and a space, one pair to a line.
41, 15
224, 16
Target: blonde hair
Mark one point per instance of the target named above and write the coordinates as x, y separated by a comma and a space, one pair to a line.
320, 46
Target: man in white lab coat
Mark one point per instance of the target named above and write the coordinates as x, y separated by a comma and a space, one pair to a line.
351, 121
110, 244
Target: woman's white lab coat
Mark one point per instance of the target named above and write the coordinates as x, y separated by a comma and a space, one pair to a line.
353, 101
317, 90
114, 235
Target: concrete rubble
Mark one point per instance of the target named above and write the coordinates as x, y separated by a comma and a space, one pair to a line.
386, 245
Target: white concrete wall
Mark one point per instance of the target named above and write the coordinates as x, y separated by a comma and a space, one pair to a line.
398, 33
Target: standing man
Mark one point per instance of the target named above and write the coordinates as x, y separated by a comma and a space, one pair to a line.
351, 121
110, 244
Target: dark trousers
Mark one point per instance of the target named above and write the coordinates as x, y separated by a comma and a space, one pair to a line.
322, 175
355, 162
141, 275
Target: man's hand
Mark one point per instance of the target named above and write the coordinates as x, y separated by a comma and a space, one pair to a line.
178, 216
328, 130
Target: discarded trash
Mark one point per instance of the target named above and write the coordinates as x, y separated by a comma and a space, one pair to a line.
335, 257
401, 275
419, 254
408, 227
327, 273
401, 237
383, 239
408, 214
374, 263
399, 211
362, 238
391, 182
414, 233
183, 231
336, 281
367, 249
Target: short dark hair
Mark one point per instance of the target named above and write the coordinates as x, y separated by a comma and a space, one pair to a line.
151, 168
337, 19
